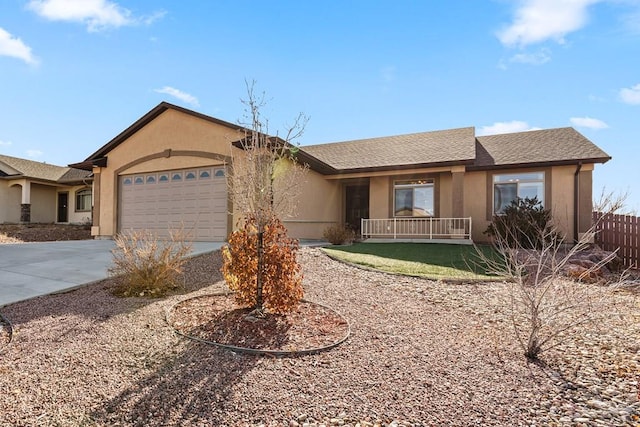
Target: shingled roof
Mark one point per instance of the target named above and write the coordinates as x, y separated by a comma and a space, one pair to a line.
454, 146
549, 146
460, 147
14, 167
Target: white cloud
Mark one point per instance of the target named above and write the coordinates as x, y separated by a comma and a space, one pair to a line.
588, 122
95, 14
631, 95
506, 127
183, 96
14, 47
155, 16
5, 143
537, 58
537, 21
34, 153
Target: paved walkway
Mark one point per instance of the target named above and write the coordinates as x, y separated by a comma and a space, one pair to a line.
28, 270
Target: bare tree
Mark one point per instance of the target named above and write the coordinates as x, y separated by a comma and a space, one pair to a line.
266, 178
611, 202
546, 299
266, 175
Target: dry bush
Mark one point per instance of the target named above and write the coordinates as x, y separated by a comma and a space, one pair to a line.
338, 234
545, 305
148, 266
281, 276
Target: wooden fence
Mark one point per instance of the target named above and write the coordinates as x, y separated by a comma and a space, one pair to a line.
620, 232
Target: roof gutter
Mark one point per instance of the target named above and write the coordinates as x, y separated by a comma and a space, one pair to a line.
576, 202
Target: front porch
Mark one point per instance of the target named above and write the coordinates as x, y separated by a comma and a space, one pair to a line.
424, 229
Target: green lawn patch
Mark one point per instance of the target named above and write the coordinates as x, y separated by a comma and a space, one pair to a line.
432, 260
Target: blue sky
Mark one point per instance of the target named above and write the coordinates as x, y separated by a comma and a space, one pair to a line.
75, 73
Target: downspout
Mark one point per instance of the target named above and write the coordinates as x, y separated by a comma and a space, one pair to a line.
576, 202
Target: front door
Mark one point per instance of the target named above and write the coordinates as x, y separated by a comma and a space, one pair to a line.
357, 205
63, 210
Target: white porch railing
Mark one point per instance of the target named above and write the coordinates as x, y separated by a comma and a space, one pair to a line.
417, 228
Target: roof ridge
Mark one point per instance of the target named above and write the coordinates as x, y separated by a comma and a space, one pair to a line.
410, 134
528, 131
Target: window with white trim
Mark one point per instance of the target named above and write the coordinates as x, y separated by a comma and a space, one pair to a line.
413, 198
83, 200
508, 187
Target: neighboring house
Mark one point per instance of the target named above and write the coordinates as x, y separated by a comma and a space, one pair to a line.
38, 192
168, 170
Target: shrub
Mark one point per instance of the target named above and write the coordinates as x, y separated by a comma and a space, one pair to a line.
525, 224
148, 266
339, 234
281, 273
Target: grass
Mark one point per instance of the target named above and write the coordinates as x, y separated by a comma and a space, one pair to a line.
432, 260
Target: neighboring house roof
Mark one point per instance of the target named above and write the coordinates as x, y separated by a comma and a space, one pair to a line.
453, 146
14, 167
540, 147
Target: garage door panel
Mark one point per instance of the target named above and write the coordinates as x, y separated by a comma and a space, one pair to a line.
195, 199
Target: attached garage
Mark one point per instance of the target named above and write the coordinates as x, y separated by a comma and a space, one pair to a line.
193, 199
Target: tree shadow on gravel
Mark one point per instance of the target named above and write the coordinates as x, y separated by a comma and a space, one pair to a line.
193, 388
235, 328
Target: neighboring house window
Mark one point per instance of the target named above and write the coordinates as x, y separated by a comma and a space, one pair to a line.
508, 187
83, 200
413, 198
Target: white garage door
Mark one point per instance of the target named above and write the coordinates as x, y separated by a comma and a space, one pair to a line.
161, 201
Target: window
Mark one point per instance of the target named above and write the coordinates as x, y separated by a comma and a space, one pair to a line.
83, 200
413, 198
508, 187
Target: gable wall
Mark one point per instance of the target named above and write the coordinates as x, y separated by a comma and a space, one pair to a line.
192, 141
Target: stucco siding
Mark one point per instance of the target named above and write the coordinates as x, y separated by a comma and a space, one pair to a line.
319, 206
586, 199
380, 197
475, 203
562, 208
10, 198
559, 198
173, 140
444, 203
75, 216
43, 199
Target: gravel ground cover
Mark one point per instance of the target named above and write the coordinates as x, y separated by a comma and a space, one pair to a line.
18, 233
420, 353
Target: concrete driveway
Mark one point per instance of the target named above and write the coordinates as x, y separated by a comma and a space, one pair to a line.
28, 270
